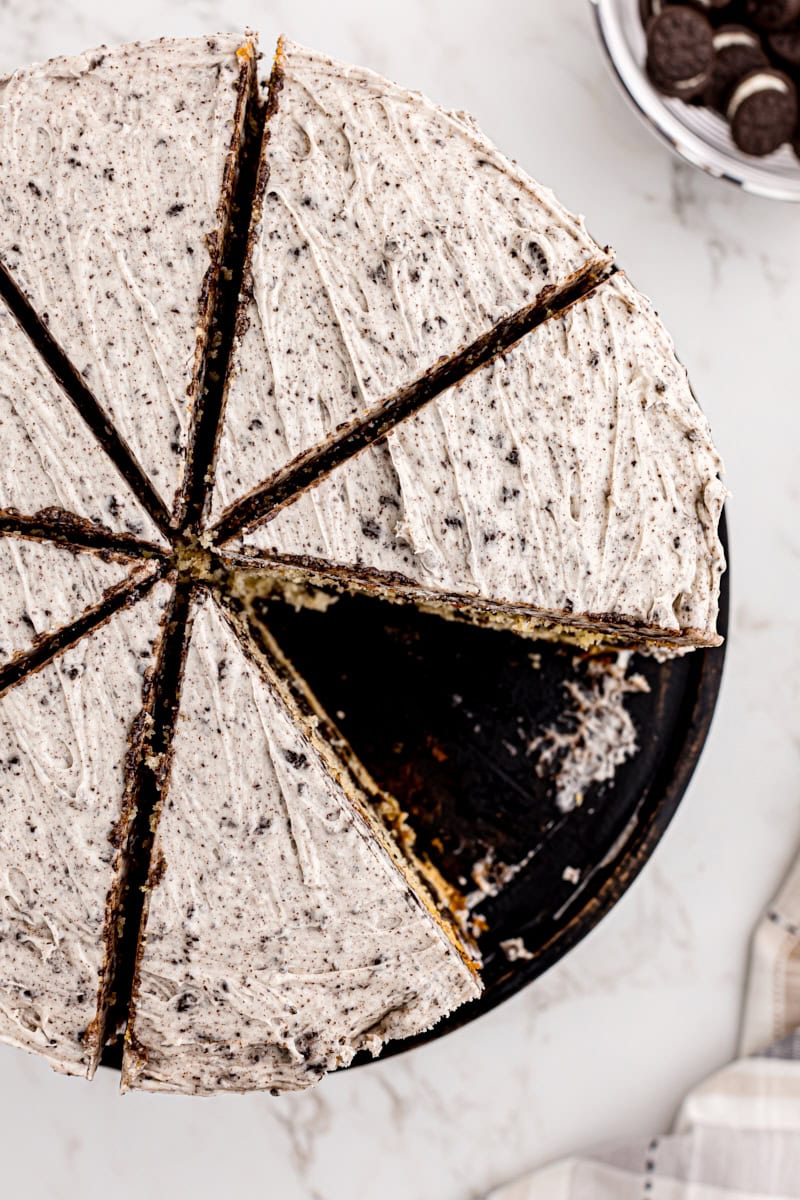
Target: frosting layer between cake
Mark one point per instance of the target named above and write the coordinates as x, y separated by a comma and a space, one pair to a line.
65, 736
573, 479
392, 233
280, 938
111, 216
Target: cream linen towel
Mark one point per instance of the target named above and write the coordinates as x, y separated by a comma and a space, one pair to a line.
737, 1136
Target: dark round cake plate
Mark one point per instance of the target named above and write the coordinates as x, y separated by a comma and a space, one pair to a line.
441, 713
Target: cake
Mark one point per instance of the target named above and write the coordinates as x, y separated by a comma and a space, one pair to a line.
388, 234
67, 785
113, 234
61, 480
333, 339
284, 932
47, 587
591, 511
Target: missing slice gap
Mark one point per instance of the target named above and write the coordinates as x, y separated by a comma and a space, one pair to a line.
387, 820
312, 467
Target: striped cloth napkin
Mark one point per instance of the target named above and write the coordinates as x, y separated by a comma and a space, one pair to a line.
737, 1136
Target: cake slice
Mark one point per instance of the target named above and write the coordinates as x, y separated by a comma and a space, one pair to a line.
68, 736
116, 172
570, 488
46, 586
284, 931
390, 233
60, 474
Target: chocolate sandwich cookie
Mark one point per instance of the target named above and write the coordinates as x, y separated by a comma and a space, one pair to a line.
714, 8
737, 51
680, 51
762, 111
772, 14
651, 8
784, 44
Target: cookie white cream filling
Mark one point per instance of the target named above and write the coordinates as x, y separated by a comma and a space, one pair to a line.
763, 82
734, 37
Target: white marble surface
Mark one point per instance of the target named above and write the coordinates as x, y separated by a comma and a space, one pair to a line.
609, 1040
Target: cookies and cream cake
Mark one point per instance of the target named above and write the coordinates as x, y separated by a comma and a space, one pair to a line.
284, 931
117, 168
68, 740
331, 338
390, 233
572, 483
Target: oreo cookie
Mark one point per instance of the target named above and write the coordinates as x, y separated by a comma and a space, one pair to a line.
772, 14
737, 51
762, 111
785, 46
653, 8
680, 51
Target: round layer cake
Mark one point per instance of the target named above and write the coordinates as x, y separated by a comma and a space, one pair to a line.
265, 352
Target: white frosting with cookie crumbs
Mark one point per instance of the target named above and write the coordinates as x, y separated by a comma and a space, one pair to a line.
574, 478
280, 937
64, 796
47, 586
58, 466
111, 177
393, 233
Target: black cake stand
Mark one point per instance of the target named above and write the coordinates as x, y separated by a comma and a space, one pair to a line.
434, 709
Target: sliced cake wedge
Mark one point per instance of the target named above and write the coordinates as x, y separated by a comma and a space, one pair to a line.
570, 488
284, 930
116, 173
61, 475
45, 586
69, 735
390, 233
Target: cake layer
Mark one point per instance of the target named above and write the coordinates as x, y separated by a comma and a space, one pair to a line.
391, 233
58, 466
45, 586
281, 937
66, 734
572, 483
115, 173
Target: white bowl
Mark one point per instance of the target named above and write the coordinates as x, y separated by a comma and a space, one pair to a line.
696, 134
